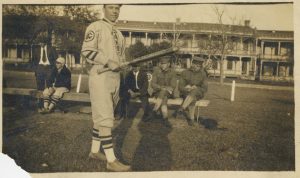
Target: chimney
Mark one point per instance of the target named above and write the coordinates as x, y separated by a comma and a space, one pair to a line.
247, 23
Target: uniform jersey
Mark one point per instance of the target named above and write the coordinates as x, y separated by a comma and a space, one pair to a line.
103, 44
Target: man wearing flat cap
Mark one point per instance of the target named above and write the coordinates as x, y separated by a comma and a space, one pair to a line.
163, 83
192, 85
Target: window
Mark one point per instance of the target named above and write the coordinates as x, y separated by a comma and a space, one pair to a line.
4, 51
229, 64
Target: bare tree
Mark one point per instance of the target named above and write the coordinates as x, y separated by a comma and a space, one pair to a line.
219, 44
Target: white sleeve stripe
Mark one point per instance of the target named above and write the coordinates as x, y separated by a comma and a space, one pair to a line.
92, 57
89, 54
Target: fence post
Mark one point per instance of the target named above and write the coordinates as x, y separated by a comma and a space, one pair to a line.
232, 90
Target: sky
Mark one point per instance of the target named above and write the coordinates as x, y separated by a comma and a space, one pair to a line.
263, 17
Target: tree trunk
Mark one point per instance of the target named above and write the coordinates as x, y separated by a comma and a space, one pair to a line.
222, 71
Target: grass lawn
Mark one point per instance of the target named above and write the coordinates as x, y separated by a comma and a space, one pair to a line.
253, 133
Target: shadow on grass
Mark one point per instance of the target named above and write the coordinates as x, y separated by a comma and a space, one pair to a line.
153, 152
210, 124
122, 129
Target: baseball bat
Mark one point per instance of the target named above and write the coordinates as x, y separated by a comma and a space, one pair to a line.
143, 58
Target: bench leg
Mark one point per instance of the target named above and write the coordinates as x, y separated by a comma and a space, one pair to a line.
198, 113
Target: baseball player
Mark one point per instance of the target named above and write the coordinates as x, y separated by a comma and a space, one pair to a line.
103, 47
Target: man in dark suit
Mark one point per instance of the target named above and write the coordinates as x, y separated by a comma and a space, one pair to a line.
44, 59
137, 86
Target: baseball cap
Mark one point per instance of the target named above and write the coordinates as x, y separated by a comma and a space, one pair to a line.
61, 60
165, 59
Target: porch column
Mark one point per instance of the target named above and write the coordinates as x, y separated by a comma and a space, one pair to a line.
146, 43
255, 60
193, 40
261, 68
160, 37
235, 66
240, 65
248, 66
242, 45
279, 51
262, 48
277, 69
255, 48
130, 39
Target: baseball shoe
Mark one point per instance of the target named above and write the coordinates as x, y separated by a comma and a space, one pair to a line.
44, 111
99, 156
166, 123
188, 119
175, 113
180, 111
190, 122
117, 166
40, 110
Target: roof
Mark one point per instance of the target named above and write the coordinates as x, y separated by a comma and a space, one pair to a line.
272, 34
183, 27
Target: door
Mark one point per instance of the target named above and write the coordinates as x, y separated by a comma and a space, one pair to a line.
244, 67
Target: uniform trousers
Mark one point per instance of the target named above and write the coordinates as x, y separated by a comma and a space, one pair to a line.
104, 95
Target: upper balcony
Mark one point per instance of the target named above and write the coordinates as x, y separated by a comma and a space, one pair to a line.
187, 50
273, 57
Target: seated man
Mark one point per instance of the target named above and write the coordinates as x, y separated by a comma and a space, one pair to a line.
192, 86
61, 83
163, 83
137, 86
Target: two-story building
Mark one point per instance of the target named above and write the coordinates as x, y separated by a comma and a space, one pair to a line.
249, 53
275, 55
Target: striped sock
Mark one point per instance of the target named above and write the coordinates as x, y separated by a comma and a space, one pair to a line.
46, 102
95, 141
53, 101
107, 145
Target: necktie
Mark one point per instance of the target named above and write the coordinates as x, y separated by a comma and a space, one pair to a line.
136, 83
116, 40
44, 55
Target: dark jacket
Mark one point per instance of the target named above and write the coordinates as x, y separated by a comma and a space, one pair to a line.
142, 81
62, 78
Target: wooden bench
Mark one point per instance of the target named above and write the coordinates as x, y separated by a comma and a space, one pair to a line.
85, 97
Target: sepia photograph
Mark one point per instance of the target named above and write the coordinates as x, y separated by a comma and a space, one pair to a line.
149, 87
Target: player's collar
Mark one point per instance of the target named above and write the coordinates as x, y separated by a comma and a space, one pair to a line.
108, 21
